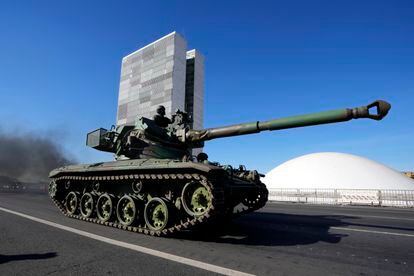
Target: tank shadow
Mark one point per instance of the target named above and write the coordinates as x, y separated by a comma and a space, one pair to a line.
272, 229
23, 257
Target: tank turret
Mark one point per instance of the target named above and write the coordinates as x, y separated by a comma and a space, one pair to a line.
147, 139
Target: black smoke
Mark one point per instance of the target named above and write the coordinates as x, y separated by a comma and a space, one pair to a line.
30, 157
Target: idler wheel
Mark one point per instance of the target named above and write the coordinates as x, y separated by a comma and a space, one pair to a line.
104, 207
71, 202
156, 214
196, 198
52, 188
87, 204
126, 210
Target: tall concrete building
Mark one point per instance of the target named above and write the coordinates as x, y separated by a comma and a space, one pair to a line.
161, 73
194, 87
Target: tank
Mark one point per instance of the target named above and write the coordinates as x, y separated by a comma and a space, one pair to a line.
156, 186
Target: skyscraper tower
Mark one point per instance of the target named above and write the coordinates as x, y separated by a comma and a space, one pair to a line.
162, 73
194, 87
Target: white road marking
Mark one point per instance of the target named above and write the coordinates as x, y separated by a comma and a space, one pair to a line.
145, 250
373, 231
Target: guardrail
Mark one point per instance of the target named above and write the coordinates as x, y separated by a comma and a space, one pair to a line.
40, 188
394, 198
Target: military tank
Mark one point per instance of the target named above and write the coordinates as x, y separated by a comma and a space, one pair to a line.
155, 186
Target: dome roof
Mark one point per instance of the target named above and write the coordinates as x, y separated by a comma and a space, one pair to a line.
332, 170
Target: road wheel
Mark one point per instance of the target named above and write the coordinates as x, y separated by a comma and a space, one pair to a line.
87, 205
71, 202
104, 207
126, 210
196, 198
156, 214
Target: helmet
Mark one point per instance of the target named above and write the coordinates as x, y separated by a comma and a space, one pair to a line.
161, 110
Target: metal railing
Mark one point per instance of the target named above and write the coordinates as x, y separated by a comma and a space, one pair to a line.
394, 198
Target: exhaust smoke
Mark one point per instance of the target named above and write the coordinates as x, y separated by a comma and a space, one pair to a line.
29, 157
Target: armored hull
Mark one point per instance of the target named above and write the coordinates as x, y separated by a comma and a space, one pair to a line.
155, 196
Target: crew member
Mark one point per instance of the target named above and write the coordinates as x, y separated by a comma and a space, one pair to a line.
202, 157
160, 118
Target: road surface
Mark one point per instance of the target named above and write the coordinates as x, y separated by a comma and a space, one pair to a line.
280, 239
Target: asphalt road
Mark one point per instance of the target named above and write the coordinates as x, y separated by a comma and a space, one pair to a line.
280, 239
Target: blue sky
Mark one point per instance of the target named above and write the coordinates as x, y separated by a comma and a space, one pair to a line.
60, 67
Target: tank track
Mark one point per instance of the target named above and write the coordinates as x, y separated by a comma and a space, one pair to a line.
217, 209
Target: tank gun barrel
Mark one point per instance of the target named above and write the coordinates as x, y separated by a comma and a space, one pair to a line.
376, 111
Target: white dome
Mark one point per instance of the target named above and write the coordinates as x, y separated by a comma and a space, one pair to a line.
332, 170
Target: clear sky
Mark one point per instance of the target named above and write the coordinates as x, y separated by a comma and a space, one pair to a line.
60, 66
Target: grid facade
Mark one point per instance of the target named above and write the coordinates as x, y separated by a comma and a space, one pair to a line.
151, 76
